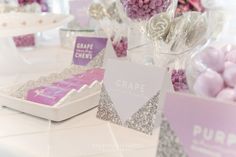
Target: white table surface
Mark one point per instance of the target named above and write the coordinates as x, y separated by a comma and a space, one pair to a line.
23, 135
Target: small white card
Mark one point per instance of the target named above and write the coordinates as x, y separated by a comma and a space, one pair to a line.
131, 94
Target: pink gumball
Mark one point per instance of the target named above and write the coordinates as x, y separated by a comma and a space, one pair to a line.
227, 48
229, 64
228, 94
213, 59
209, 83
146, 1
229, 76
231, 56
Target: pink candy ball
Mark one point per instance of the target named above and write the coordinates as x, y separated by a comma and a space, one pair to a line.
220, 79
209, 83
229, 64
213, 59
231, 56
228, 94
227, 48
229, 75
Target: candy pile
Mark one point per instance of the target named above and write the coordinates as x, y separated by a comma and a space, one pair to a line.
179, 80
25, 40
144, 9
219, 79
120, 46
42, 3
188, 5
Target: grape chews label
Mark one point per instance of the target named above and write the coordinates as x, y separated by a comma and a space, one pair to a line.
87, 48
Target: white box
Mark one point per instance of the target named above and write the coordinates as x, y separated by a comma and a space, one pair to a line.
54, 113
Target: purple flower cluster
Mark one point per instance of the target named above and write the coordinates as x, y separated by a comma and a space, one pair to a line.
179, 80
43, 3
120, 46
144, 9
25, 40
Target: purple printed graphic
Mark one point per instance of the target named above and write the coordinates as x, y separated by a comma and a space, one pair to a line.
49, 95
86, 48
205, 127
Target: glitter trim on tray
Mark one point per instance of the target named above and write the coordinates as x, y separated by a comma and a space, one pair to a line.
143, 120
22, 90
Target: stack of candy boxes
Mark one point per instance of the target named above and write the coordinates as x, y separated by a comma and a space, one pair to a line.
52, 93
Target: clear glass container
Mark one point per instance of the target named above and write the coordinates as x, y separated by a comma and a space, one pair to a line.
210, 69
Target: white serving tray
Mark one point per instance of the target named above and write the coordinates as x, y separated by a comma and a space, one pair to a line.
72, 104
16, 23
58, 113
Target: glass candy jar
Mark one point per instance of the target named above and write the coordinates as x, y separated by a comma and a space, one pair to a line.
175, 39
212, 72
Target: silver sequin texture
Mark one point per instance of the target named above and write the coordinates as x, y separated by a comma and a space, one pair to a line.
98, 60
169, 145
22, 90
106, 110
143, 120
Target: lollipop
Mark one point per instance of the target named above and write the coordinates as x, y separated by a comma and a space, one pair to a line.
96, 11
111, 22
158, 26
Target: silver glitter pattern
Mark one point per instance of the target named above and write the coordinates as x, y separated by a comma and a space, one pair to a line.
143, 120
22, 90
98, 60
169, 145
106, 110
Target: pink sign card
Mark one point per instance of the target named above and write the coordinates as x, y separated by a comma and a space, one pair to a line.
205, 127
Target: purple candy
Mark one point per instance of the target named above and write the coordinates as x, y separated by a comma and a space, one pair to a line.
179, 80
120, 46
144, 9
90, 76
69, 85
